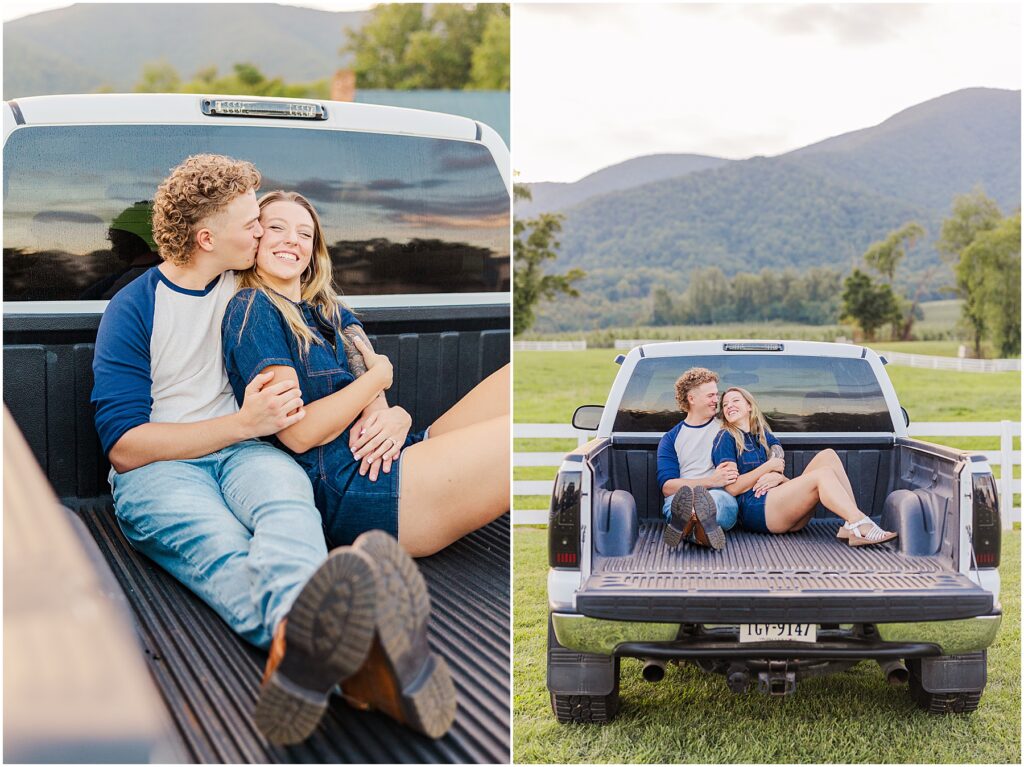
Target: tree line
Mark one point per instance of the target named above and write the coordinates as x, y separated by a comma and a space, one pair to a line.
402, 46
712, 298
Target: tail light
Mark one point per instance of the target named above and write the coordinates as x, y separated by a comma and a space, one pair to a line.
564, 522
987, 530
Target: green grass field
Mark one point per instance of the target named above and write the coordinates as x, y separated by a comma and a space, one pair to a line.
692, 717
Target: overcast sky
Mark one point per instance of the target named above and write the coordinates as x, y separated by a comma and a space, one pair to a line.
15, 9
593, 85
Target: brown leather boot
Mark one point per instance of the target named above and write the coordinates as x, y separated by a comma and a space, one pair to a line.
276, 654
324, 639
401, 676
702, 526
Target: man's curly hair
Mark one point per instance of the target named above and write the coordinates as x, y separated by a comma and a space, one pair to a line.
200, 187
689, 381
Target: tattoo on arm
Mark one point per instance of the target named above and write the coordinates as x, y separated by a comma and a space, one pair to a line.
356, 363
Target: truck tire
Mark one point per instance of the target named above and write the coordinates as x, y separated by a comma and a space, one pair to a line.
945, 702
585, 709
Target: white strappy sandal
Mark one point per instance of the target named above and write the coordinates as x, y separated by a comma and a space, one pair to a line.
852, 533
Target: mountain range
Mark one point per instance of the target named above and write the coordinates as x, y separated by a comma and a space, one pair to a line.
89, 46
650, 220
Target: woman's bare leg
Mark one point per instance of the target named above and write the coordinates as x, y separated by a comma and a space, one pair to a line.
488, 399
831, 459
453, 484
789, 505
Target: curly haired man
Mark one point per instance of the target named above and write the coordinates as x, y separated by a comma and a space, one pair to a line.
695, 506
195, 489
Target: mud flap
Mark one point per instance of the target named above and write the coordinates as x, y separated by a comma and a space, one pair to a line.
954, 673
579, 673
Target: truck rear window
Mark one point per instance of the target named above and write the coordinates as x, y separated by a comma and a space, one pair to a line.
402, 214
796, 394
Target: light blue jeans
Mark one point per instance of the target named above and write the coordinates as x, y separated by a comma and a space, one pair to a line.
238, 527
727, 508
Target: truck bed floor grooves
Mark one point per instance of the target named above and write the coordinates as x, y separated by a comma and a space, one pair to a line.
812, 550
209, 677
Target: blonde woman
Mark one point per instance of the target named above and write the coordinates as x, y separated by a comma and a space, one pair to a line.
771, 503
287, 319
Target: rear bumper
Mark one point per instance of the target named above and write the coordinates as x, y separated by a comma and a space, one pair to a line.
637, 638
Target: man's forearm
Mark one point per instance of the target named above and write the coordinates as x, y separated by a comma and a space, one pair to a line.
152, 442
672, 486
328, 417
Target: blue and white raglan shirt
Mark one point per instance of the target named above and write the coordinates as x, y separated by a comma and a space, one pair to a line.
158, 356
685, 451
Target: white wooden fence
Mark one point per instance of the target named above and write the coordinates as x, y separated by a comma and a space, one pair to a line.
951, 363
1005, 457
549, 346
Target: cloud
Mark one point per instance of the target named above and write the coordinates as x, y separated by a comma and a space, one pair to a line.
66, 217
457, 162
320, 190
868, 24
384, 194
455, 208
496, 221
132, 190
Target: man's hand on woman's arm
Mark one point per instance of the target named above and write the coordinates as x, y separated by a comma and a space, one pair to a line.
724, 474
747, 481
328, 417
266, 409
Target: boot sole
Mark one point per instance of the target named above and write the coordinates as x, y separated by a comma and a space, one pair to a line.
328, 635
403, 610
682, 502
707, 513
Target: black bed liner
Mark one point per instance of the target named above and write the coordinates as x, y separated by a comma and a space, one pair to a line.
803, 577
209, 677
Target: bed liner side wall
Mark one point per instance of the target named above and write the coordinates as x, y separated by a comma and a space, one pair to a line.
872, 474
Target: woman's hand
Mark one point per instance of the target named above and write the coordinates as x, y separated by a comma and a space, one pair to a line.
377, 364
777, 465
377, 439
767, 481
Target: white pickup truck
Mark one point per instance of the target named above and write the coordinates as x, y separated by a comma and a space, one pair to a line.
771, 610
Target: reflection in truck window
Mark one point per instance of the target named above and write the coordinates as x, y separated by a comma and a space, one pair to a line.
796, 394
402, 214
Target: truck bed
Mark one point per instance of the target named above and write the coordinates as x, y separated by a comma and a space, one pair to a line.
803, 577
813, 551
209, 677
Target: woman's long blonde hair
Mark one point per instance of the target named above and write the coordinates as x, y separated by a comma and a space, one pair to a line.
317, 280
758, 426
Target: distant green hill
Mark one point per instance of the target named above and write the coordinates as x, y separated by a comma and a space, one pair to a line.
87, 46
550, 197
818, 206
746, 215
933, 151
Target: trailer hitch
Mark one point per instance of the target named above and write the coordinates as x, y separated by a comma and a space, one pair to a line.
778, 680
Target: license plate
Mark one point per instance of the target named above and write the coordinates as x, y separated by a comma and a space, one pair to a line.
778, 632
